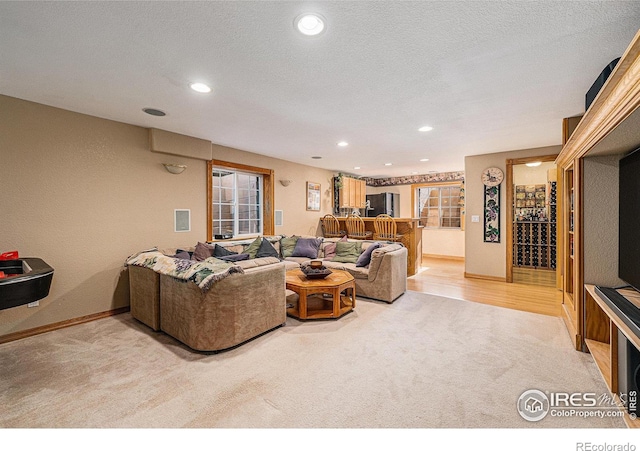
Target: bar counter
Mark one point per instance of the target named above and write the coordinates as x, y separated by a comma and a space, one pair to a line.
411, 232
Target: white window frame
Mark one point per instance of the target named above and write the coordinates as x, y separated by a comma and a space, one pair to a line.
235, 204
440, 207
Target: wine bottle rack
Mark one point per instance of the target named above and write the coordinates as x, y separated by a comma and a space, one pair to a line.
534, 242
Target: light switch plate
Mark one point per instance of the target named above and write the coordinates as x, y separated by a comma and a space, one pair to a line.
475, 218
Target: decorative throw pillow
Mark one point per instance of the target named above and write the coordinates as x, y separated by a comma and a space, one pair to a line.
252, 250
365, 257
234, 257
307, 247
184, 255
330, 248
219, 251
347, 252
267, 250
202, 252
287, 245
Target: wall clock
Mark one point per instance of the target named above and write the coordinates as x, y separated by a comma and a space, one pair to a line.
492, 176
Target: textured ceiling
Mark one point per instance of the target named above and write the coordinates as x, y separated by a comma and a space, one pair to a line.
488, 76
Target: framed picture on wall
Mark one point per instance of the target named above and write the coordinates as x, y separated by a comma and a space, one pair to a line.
313, 196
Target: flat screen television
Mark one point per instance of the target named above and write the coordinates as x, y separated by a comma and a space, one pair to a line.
629, 225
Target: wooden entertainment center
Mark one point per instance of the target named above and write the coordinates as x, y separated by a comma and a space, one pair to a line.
588, 192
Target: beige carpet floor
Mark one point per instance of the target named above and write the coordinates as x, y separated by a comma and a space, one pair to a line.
423, 362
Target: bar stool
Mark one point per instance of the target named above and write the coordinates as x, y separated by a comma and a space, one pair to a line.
386, 228
331, 227
356, 229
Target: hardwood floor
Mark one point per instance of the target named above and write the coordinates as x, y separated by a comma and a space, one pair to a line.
445, 277
528, 276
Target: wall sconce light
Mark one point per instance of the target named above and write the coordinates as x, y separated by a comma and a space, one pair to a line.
285, 182
533, 164
174, 168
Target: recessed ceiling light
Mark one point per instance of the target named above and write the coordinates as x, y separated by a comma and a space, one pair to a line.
154, 112
200, 87
317, 158
534, 164
343, 144
424, 159
426, 128
309, 24
387, 164
356, 167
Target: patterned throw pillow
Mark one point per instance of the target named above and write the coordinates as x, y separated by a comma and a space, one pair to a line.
287, 245
252, 250
347, 252
330, 248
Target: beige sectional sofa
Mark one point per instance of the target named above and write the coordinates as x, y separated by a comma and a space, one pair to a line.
242, 306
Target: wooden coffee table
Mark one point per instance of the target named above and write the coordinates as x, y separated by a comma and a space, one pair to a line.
331, 297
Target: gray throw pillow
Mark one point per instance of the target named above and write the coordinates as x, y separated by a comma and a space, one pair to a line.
365, 257
307, 247
182, 254
219, 251
267, 250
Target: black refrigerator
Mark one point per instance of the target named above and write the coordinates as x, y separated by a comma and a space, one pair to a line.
383, 203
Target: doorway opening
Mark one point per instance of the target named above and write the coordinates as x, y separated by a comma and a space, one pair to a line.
532, 227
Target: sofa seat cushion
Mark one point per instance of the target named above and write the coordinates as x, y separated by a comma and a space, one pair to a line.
255, 262
289, 265
351, 268
298, 260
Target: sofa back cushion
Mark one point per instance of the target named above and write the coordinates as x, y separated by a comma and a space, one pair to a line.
347, 252
307, 247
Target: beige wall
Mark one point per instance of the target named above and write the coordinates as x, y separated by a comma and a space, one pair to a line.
83, 193
538, 175
601, 220
434, 241
488, 259
292, 199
